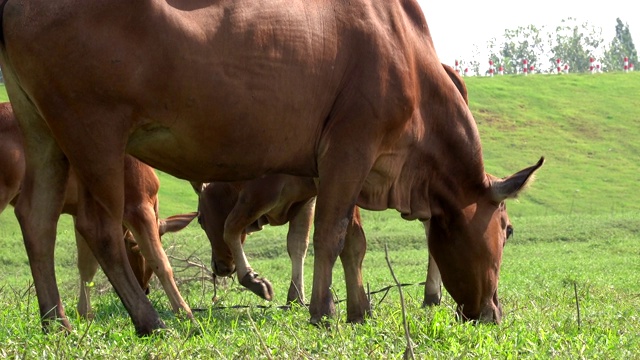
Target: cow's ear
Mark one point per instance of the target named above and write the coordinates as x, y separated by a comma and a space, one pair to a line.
510, 187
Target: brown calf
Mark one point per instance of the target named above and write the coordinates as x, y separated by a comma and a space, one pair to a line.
229, 211
273, 200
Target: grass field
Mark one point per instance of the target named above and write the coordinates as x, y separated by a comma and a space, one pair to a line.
570, 281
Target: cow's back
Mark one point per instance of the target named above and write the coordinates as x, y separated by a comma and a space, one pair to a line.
260, 84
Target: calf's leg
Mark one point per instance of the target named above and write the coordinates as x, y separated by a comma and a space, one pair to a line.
433, 284
87, 267
297, 245
142, 222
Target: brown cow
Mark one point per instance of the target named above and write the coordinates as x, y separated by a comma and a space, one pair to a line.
141, 213
276, 200
351, 93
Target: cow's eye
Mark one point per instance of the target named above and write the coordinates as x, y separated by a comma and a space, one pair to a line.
509, 231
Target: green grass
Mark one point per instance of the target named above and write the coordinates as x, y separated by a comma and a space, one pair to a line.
577, 229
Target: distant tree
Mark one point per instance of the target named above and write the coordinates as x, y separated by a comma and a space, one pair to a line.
495, 54
523, 43
574, 44
621, 46
474, 63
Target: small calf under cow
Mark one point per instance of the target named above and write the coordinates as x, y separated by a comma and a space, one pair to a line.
228, 212
141, 216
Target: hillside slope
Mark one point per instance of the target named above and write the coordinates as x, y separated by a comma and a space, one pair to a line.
587, 127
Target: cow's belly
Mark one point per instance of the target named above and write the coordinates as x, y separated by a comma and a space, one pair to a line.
225, 150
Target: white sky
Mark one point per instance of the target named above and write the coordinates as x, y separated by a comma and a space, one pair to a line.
457, 25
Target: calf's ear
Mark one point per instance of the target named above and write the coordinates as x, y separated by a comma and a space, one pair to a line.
510, 186
175, 223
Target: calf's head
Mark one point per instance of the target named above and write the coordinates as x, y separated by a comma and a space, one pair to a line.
215, 202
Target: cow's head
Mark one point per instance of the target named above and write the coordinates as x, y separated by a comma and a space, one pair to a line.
467, 244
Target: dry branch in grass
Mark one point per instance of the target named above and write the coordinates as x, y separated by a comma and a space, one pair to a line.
408, 352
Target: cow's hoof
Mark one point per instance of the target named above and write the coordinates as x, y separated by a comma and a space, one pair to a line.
148, 329
323, 322
259, 286
85, 312
294, 296
358, 316
52, 326
431, 300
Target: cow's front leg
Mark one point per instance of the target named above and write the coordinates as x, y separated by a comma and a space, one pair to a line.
433, 285
333, 217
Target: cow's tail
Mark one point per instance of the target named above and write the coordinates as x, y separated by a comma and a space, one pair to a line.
4, 2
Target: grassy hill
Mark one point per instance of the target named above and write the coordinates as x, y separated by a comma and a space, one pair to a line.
587, 126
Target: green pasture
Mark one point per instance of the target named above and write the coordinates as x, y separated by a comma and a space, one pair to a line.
570, 280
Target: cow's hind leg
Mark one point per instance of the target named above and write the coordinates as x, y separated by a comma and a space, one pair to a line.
38, 209
98, 161
40, 203
352, 255
297, 245
100, 223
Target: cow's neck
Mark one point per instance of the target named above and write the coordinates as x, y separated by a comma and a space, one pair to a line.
456, 172
439, 159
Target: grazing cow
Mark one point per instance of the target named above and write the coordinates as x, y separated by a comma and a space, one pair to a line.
349, 92
229, 211
141, 213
